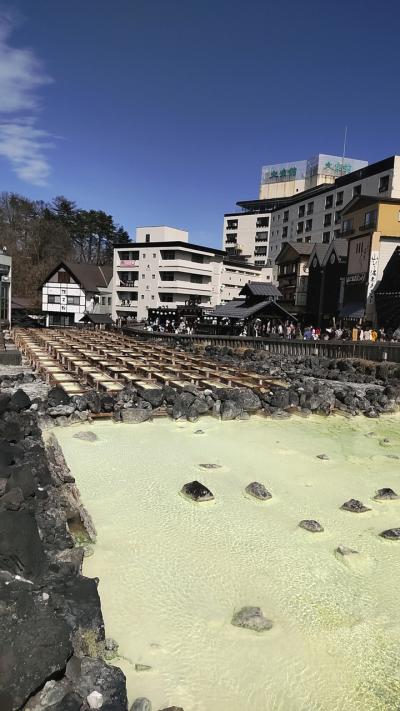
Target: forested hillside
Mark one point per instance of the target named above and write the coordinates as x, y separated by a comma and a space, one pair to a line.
38, 234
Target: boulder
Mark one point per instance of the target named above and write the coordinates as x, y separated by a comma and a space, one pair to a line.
154, 396
86, 436
4, 402
198, 407
385, 494
251, 618
88, 675
57, 396
135, 415
245, 398
258, 491
354, 506
142, 667
324, 457
230, 410
35, 644
197, 492
19, 401
12, 500
21, 477
393, 534
61, 410
95, 700
141, 704
311, 525
9, 454
210, 466
21, 550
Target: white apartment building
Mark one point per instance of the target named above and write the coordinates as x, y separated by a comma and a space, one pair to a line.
288, 179
248, 233
5, 288
315, 215
72, 290
162, 268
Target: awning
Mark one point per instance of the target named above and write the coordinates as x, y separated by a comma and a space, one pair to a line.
354, 309
97, 319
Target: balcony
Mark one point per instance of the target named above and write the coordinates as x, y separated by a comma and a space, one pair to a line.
186, 287
367, 226
126, 304
185, 265
128, 284
347, 233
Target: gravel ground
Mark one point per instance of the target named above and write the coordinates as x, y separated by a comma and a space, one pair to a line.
37, 388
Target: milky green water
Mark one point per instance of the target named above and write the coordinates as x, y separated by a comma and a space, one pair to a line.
172, 572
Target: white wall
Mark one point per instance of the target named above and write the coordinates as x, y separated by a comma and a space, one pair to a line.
246, 233
161, 233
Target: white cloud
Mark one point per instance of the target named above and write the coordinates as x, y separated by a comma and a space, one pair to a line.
21, 75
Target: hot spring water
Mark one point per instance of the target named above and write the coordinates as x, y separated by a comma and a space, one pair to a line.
173, 572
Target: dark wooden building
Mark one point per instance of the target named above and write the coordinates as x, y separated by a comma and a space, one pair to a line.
387, 295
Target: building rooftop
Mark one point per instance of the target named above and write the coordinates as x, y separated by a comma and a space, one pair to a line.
90, 276
260, 288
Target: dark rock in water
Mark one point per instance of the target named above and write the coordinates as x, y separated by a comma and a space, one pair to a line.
197, 491
344, 550
21, 550
154, 396
310, 525
19, 401
355, 506
173, 708
135, 415
393, 534
392, 456
142, 667
86, 436
322, 456
258, 491
199, 432
385, 494
251, 618
21, 477
141, 704
210, 466
244, 398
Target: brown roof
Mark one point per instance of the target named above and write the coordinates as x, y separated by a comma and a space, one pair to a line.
91, 277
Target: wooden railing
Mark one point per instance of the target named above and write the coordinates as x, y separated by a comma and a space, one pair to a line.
364, 350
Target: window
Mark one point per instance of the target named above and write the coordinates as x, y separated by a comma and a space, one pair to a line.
167, 276
286, 215
284, 232
338, 217
302, 211
326, 237
261, 236
142, 296
307, 239
299, 240
347, 226
231, 239
109, 300
152, 297
310, 208
102, 300
328, 219
53, 299
328, 202
153, 276
308, 225
262, 222
166, 297
143, 276
147, 238
339, 198
144, 255
260, 251
370, 218
63, 278
300, 228
336, 233
384, 184
198, 258
168, 254
356, 190
196, 279
154, 255
259, 262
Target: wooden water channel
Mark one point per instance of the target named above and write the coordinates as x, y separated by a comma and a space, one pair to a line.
77, 361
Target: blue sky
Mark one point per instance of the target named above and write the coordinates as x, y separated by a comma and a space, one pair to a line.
164, 111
